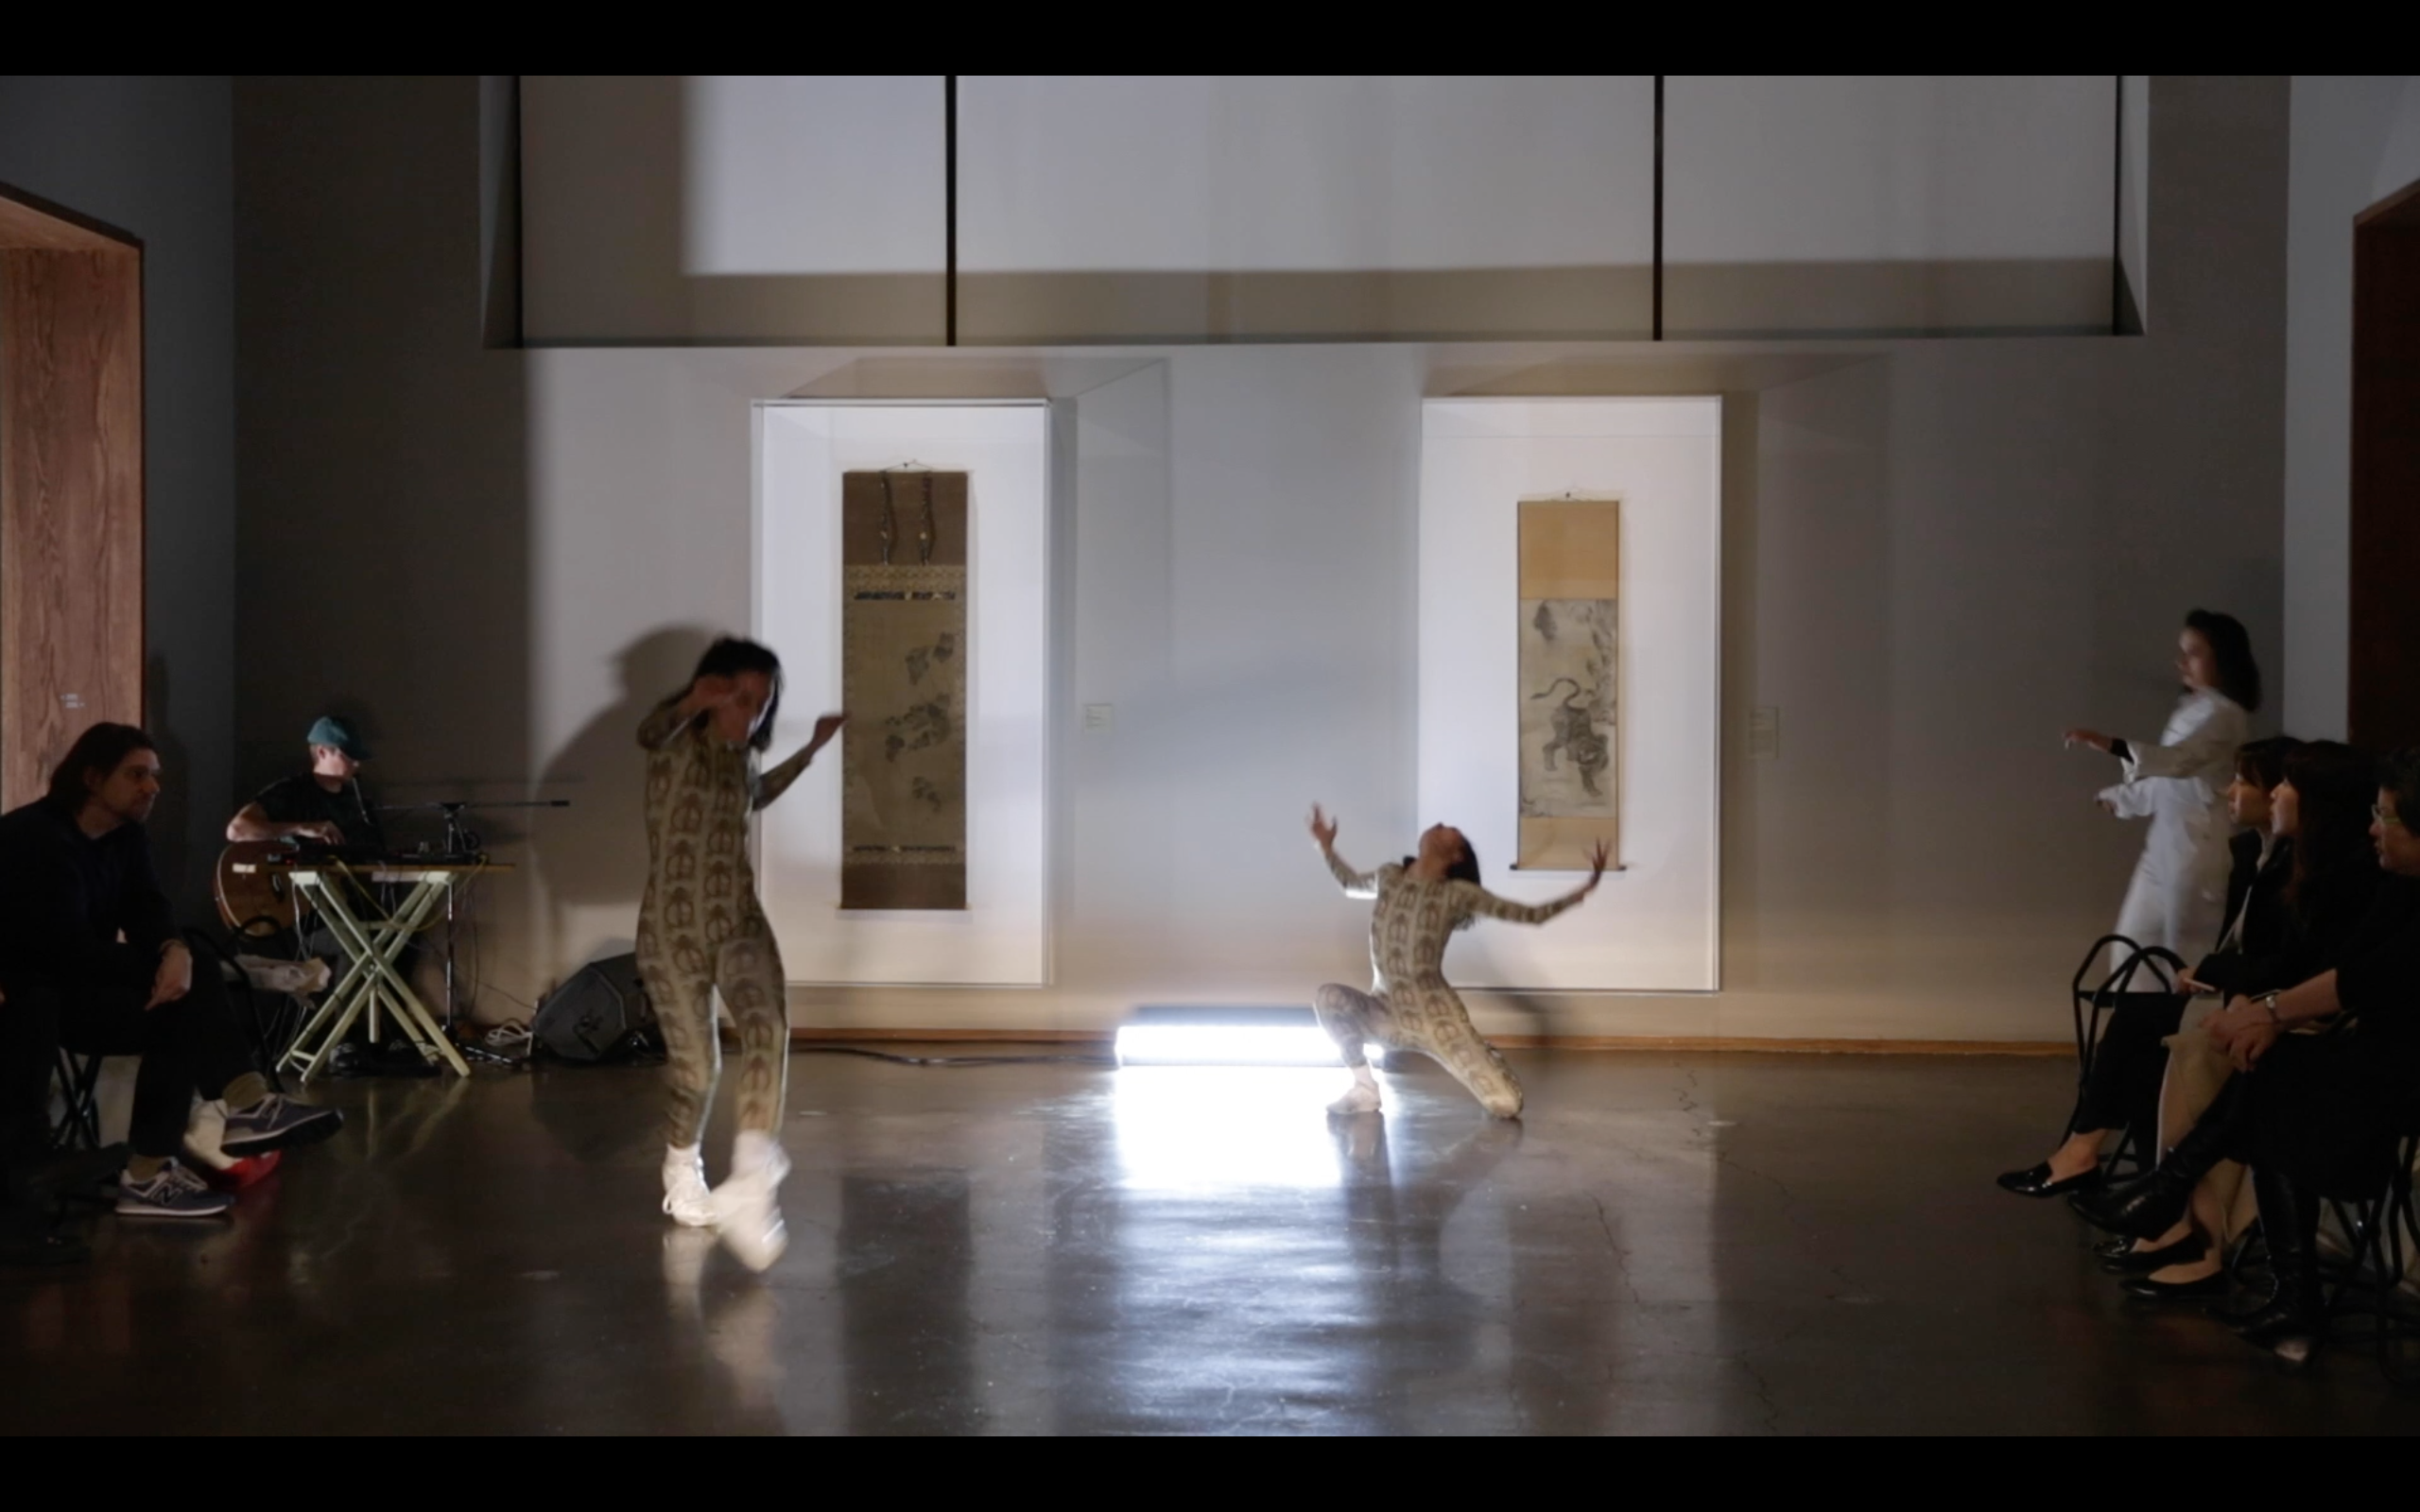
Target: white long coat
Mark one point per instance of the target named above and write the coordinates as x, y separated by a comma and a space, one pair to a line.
2179, 895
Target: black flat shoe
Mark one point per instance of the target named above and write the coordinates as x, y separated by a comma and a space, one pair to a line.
2130, 1261
2208, 1288
2146, 1206
2036, 1181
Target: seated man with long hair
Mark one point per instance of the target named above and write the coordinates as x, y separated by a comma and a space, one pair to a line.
91, 957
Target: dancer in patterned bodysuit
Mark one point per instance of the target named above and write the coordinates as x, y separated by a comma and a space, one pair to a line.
1422, 900
700, 928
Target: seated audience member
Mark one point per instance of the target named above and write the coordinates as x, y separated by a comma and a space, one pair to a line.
325, 803
2314, 1115
75, 875
2123, 1086
2321, 812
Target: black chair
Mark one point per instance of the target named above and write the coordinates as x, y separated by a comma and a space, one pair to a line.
2116, 993
80, 1119
2382, 1238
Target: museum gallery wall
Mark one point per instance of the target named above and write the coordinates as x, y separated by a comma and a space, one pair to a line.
903, 564
1568, 681
1570, 677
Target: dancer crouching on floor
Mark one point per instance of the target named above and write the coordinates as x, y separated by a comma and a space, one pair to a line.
700, 928
1422, 900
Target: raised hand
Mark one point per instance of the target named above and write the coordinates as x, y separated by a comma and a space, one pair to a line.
1322, 828
709, 692
2093, 738
1600, 855
825, 728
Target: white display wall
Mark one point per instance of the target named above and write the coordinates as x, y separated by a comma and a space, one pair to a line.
1654, 925
1003, 936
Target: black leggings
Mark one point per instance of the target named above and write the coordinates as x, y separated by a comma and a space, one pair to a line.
191, 1045
2123, 1091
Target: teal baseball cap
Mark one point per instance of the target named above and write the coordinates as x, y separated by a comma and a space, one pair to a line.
330, 731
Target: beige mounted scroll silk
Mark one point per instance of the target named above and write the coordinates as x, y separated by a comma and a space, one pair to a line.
904, 658
1571, 599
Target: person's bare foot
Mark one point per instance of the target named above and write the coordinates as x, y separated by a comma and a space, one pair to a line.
2065, 1164
1363, 1098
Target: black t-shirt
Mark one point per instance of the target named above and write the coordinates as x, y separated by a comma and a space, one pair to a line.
66, 897
301, 800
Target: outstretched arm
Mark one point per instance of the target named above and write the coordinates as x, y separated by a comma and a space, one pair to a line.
1355, 884
2209, 742
2208, 745
1488, 905
771, 784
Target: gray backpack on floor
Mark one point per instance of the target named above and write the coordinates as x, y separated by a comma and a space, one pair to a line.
599, 1014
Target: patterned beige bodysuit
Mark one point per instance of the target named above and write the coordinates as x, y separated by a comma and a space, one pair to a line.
1412, 1006
701, 926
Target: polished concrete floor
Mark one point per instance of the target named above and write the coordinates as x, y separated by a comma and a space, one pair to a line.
1671, 1244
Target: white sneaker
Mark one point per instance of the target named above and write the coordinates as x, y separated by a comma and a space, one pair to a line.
746, 1214
686, 1201
1361, 1099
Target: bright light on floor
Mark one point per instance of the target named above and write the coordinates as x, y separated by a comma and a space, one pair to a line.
1225, 1044
1202, 1128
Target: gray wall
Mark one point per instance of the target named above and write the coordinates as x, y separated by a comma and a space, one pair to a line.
383, 571
1938, 555
154, 156
2355, 140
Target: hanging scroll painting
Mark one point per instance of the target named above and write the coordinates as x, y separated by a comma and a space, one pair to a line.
1571, 599
904, 659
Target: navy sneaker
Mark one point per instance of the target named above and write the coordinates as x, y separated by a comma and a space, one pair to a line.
172, 1192
277, 1122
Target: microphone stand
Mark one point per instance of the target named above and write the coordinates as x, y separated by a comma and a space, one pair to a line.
463, 843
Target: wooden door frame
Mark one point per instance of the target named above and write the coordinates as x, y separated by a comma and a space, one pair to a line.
2382, 610
72, 516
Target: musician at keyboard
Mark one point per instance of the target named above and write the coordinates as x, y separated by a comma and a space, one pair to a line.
325, 814
323, 804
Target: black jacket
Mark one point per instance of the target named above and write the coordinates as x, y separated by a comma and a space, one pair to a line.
66, 897
2284, 942
2379, 978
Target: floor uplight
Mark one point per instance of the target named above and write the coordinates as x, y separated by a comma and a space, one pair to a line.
1224, 1037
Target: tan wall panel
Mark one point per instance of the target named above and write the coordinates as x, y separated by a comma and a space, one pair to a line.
71, 504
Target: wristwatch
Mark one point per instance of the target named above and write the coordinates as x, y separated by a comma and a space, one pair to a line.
2269, 1001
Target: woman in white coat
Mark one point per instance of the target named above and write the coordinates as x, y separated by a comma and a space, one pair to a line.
2180, 887
2178, 898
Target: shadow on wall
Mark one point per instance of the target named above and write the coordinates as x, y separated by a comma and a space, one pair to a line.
171, 820
593, 854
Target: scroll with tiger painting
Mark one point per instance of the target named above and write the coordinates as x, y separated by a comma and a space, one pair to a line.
1570, 672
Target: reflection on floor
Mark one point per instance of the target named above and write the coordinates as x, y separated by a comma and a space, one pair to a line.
1732, 1243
